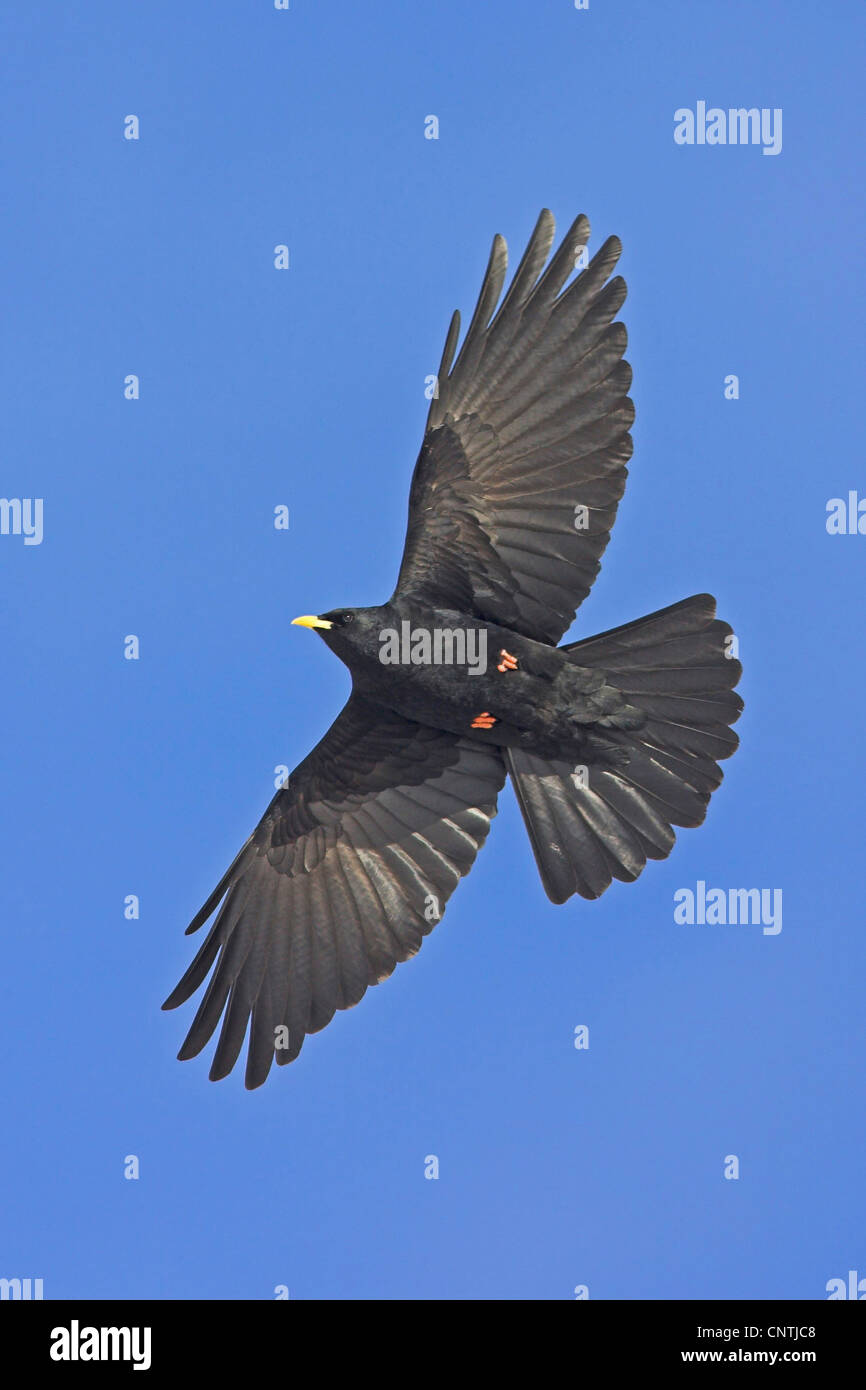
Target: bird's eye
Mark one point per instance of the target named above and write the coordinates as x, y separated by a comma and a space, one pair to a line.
348, 617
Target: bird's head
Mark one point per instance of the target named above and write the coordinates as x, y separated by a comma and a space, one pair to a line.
347, 631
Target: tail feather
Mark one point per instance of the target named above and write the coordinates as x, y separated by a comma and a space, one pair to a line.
590, 825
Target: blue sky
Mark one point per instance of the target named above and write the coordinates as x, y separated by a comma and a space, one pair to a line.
558, 1167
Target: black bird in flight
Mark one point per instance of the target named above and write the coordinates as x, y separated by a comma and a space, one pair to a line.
457, 680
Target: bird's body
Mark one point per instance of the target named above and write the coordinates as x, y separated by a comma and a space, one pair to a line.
446, 673
458, 681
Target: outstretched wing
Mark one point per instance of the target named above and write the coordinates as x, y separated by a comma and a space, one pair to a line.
349, 868
523, 461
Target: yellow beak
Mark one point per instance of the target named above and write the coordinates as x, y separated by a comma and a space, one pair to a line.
310, 620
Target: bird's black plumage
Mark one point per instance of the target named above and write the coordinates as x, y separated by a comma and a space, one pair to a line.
609, 742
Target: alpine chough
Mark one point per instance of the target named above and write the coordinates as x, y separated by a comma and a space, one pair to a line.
457, 680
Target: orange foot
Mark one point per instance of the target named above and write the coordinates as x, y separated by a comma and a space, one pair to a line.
508, 662
484, 721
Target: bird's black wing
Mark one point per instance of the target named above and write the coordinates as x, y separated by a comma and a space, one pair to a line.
349, 868
530, 427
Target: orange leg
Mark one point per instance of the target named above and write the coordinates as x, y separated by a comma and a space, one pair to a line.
484, 721
508, 662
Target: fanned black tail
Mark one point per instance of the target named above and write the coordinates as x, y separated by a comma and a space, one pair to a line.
589, 824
